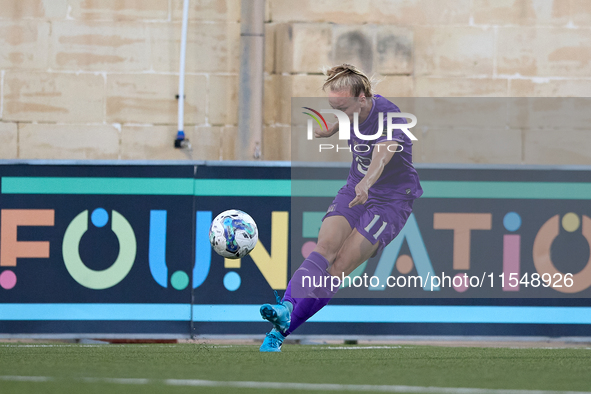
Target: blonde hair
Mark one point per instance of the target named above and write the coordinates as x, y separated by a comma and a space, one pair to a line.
347, 76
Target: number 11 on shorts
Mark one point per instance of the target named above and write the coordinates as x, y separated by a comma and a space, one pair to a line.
372, 223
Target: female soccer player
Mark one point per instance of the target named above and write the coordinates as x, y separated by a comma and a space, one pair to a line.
367, 213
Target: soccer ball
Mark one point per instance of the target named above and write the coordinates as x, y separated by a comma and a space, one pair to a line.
233, 234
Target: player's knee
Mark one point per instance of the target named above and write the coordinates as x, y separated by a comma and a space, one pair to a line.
336, 270
338, 267
327, 251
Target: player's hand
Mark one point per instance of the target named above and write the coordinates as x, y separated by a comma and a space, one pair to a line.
323, 133
361, 192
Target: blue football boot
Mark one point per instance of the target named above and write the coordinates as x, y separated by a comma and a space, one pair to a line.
272, 342
279, 314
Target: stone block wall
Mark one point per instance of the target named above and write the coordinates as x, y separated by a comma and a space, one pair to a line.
97, 79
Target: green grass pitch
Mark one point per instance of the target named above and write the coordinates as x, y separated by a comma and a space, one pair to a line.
190, 368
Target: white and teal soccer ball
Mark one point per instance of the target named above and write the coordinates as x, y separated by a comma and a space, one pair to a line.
233, 234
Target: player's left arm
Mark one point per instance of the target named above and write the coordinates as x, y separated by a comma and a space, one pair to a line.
382, 154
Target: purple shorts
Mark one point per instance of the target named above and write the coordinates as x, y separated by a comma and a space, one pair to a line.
378, 219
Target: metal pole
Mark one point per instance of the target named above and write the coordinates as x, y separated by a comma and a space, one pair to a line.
181, 114
250, 106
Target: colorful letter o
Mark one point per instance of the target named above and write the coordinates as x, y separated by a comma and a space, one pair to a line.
543, 260
109, 277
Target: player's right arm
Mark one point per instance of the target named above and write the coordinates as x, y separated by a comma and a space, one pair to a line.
379, 159
332, 129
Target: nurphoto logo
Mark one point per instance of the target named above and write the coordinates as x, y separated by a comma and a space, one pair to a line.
345, 124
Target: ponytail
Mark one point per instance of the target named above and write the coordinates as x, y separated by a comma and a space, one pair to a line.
348, 77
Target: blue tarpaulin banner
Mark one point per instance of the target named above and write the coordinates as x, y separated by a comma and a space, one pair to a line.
124, 250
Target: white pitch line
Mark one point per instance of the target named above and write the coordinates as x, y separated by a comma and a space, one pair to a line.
27, 378
90, 345
116, 380
295, 386
70, 345
320, 347
356, 387
356, 347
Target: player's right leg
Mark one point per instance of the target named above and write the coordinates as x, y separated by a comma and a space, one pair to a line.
300, 302
333, 232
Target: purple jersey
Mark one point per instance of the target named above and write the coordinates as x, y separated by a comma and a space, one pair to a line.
399, 179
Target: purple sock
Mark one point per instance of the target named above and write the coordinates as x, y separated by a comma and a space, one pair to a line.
308, 296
